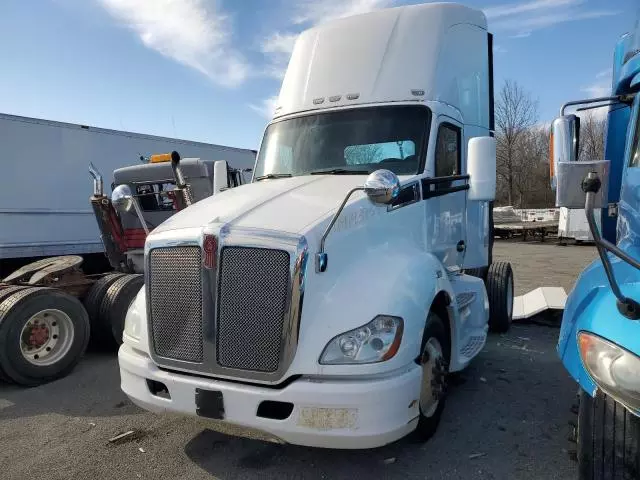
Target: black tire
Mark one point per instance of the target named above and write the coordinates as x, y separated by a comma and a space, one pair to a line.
499, 283
427, 425
608, 439
15, 310
4, 293
92, 302
116, 302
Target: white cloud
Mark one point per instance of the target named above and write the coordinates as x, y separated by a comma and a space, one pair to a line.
529, 16
195, 33
597, 90
601, 87
267, 107
279, 43
319, 11
277, 47
526, 7
499, 49
607, 72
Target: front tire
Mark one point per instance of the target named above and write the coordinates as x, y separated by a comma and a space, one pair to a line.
608, 439
434, 359
500, 290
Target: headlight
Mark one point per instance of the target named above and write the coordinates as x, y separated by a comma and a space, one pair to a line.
132, 323
613, 368
376, 341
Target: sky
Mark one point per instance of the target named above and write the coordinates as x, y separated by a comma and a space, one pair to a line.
210, 70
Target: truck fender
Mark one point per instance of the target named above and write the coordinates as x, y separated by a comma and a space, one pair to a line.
394, 281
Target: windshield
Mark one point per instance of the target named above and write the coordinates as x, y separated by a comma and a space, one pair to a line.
346, 142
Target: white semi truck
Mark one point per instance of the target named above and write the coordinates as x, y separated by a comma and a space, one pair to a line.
325, 302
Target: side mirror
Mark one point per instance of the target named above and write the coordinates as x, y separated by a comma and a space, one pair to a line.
563, 143
220, 176
122, 198
481, 166
382, 186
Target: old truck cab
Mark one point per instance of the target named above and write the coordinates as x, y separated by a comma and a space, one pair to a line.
325, 302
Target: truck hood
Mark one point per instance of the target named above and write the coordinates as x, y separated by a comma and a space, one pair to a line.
284, 204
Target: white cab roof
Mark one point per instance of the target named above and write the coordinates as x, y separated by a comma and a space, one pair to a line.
390, 55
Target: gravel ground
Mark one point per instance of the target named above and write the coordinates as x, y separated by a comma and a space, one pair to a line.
505, 417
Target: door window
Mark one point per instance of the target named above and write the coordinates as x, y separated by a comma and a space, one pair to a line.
447, 158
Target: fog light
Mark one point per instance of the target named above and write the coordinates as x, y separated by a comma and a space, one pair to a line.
614, 369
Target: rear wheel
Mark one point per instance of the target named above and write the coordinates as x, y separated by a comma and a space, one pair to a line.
434, 361
5, 293
116, 302
500, 289
608, 439
99, 335
43, 334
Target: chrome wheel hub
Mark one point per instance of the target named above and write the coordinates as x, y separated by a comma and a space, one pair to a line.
434, 370
46, 337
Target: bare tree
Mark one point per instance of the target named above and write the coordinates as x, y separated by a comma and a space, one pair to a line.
592, 132
516, 112
531, 169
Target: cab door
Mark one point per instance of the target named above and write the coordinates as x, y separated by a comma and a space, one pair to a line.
446, 195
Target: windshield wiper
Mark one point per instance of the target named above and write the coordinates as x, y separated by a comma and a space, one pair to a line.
338, 171
272, 175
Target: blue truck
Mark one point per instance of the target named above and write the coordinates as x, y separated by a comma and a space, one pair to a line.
599, 341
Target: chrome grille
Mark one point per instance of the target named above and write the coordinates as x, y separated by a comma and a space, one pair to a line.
175, 296
254, 285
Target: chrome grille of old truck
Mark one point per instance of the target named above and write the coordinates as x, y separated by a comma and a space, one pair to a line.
247, 307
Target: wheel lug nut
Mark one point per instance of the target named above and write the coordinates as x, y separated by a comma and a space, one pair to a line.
48, 349
54, 336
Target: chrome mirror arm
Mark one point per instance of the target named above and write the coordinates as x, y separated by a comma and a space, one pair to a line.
626, 306
136, 207
321, 257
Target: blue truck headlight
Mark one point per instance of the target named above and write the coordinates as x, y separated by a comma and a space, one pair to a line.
614, 369
376, 341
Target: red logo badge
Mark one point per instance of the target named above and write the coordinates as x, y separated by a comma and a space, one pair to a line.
210, 247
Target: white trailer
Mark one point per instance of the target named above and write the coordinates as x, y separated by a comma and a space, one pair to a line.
44, 199
573, 224
325, 302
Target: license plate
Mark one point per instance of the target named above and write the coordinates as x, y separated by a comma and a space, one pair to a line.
209, 403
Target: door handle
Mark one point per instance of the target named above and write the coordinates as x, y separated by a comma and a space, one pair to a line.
460, 247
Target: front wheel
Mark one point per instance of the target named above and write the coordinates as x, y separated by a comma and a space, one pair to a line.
499, 285
608, 439
434, 361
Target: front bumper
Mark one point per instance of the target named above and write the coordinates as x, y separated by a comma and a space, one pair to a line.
330, 413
